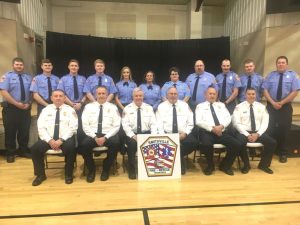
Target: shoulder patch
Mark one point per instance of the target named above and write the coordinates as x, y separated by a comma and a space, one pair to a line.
3, 77
237, 77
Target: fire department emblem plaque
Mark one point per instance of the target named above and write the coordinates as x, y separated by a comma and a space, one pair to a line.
159, 156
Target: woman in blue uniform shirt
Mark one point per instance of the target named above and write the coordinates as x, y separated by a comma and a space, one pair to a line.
151, 90
182, 88
124, 88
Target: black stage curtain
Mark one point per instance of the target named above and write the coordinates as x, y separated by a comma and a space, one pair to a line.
139, 55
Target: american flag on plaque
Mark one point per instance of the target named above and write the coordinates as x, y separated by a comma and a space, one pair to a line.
159, 154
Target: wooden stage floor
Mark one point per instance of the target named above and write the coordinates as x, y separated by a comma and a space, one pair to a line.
255, 198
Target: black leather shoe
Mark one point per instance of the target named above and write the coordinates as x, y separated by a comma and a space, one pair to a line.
104, 176
10, 158
131, 174
265, 169
283, 158
38, 180
227, 171
68, 180
208, 171
245, 169
90, 178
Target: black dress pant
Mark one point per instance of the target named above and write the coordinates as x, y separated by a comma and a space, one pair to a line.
233, 146
80, 133
39, 149
86, 150
188, 145
16, 124
267, 153
279, 125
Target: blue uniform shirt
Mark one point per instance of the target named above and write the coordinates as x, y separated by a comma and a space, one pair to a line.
91, 84
232, 81
290, 83
125, 92
66, 84
151, 95
256, 83
11, 83
39, 85
182, 89
206, 79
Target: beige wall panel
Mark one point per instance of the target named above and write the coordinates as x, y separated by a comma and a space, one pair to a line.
160, 27
212, 21
121, 26
251, 46
80, 23
8, 44
103, 9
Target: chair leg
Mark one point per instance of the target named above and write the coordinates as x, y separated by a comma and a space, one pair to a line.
46, 161
194, 159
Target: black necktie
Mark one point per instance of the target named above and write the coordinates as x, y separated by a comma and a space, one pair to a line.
56, 126
175, 124
125, 83
100, 118
150, 87
249, 82
279, 89
99, 81
195, 89
223, 94
49, 88
174, 85
253, 126
217, 123
76, 96
139, 122
22, 88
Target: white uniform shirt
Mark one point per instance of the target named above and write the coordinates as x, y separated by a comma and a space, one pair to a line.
204, 118
164, 117
242, 121
129, 119
111, 119
68, 122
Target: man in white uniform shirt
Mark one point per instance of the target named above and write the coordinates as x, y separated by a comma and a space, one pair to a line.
57, 125
175, 116
214, 118
138, 118
251, 119
101, 122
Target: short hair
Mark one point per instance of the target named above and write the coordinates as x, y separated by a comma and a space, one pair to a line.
73, 60
251, 89
247, 61
173, 68
137, 89
171, 88
103, 87
211, 86
282, 57
224, 60
58, 90
17, 59
200, 61
99, 61
46, 61
149, 71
